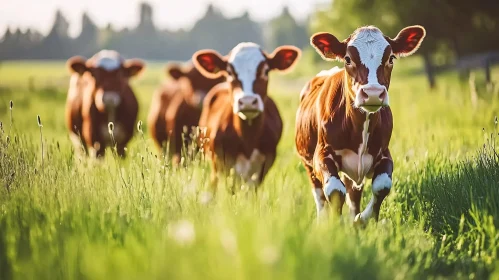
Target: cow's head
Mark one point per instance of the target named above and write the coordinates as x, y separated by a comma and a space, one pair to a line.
107, 75
247, 68
369, 56
195, 85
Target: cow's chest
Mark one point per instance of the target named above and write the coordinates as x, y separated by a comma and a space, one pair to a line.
356, 166
249, 168
359, 164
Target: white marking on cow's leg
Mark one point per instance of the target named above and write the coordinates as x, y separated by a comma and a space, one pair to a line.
333, 184
380, 183
319, 204
334, 190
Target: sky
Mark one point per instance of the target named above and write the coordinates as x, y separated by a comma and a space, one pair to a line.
171, 14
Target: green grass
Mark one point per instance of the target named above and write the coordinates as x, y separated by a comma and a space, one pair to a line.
66, 218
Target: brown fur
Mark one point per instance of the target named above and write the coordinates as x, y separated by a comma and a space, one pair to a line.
227, 137
86, 119
177, 104
328, 126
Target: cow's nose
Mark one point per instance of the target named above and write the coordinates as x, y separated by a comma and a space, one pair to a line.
111, 99
248, 103
373, 93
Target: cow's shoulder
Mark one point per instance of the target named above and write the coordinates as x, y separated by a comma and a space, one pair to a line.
217, 97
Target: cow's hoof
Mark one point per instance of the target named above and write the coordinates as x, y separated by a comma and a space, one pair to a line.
358, 221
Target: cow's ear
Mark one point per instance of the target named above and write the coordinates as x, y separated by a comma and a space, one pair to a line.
209, 63
284, 57
175, 71
407, 41
133, 67
76, 64
328, 46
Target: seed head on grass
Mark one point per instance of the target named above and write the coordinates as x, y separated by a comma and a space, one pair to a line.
39, 120
11, 117
110, 127
139, 127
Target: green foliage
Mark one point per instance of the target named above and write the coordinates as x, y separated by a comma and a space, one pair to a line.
138, 218
448, 22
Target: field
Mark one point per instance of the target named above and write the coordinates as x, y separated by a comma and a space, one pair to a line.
66, 218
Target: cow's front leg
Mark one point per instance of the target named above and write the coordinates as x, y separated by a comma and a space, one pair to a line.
354, 195
381, 185
326, 170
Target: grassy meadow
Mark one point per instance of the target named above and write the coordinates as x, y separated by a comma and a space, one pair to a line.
62, 217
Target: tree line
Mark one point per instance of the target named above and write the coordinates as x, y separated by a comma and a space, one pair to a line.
146, 41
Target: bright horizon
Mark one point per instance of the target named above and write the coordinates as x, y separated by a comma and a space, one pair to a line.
170, 14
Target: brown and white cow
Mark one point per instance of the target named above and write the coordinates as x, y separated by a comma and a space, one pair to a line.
177, 104
99, 93
344, 122
242, 123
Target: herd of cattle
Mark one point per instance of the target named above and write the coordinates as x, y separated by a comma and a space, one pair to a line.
343, 123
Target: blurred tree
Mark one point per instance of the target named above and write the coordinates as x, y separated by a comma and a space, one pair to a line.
57, 44
284, 30
86, 43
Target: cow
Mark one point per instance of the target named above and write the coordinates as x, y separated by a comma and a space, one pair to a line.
177, 104
99, 94
344, 122
241, 125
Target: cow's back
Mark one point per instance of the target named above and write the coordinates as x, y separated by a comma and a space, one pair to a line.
317, 98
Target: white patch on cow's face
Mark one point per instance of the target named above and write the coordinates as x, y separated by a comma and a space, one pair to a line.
245, 59
108, 60
371, 46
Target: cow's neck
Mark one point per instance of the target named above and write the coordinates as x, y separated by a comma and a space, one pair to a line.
361, 123
249, 131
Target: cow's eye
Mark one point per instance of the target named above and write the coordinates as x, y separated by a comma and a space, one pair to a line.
392, 57
348, 60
